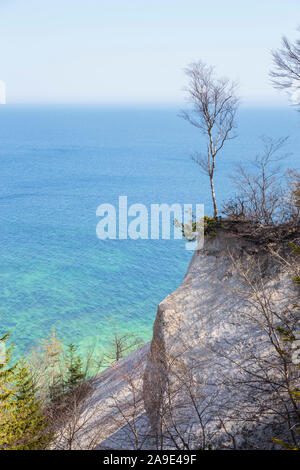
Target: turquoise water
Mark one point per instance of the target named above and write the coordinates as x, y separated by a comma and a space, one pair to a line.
57, 165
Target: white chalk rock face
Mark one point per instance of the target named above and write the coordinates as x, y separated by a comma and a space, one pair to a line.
211, 350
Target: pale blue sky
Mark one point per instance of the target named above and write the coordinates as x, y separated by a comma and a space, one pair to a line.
134, 51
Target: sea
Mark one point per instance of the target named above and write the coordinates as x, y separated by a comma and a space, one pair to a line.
57, 165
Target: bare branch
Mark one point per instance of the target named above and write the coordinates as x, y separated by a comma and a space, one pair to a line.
213, 106
286, 73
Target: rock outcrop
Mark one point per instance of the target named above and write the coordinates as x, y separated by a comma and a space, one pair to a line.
208, 338
211, 377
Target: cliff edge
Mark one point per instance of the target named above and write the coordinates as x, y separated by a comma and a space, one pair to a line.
208, 361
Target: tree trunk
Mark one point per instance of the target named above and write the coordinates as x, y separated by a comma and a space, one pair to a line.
213, 195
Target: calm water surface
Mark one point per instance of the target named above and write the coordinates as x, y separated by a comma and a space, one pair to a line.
57, 165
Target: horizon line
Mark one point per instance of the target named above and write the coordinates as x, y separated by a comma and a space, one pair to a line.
140, 105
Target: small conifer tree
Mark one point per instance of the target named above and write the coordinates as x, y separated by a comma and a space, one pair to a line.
75, 374
22, 424
6, 392
31, 427
53, 354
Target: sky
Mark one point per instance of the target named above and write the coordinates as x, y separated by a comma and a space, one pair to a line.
133, 52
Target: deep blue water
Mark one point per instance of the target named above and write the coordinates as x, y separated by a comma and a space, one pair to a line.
57, 165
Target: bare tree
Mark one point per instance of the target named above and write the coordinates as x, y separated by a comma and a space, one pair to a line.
107, 412
292, 206
120, 345
182, 414
286, 73
214, 105
266, 374
187, 417
126, 407
71, 416
260, 197
70, 411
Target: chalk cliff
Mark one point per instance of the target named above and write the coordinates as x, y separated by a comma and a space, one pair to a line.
209, 337
211, 377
